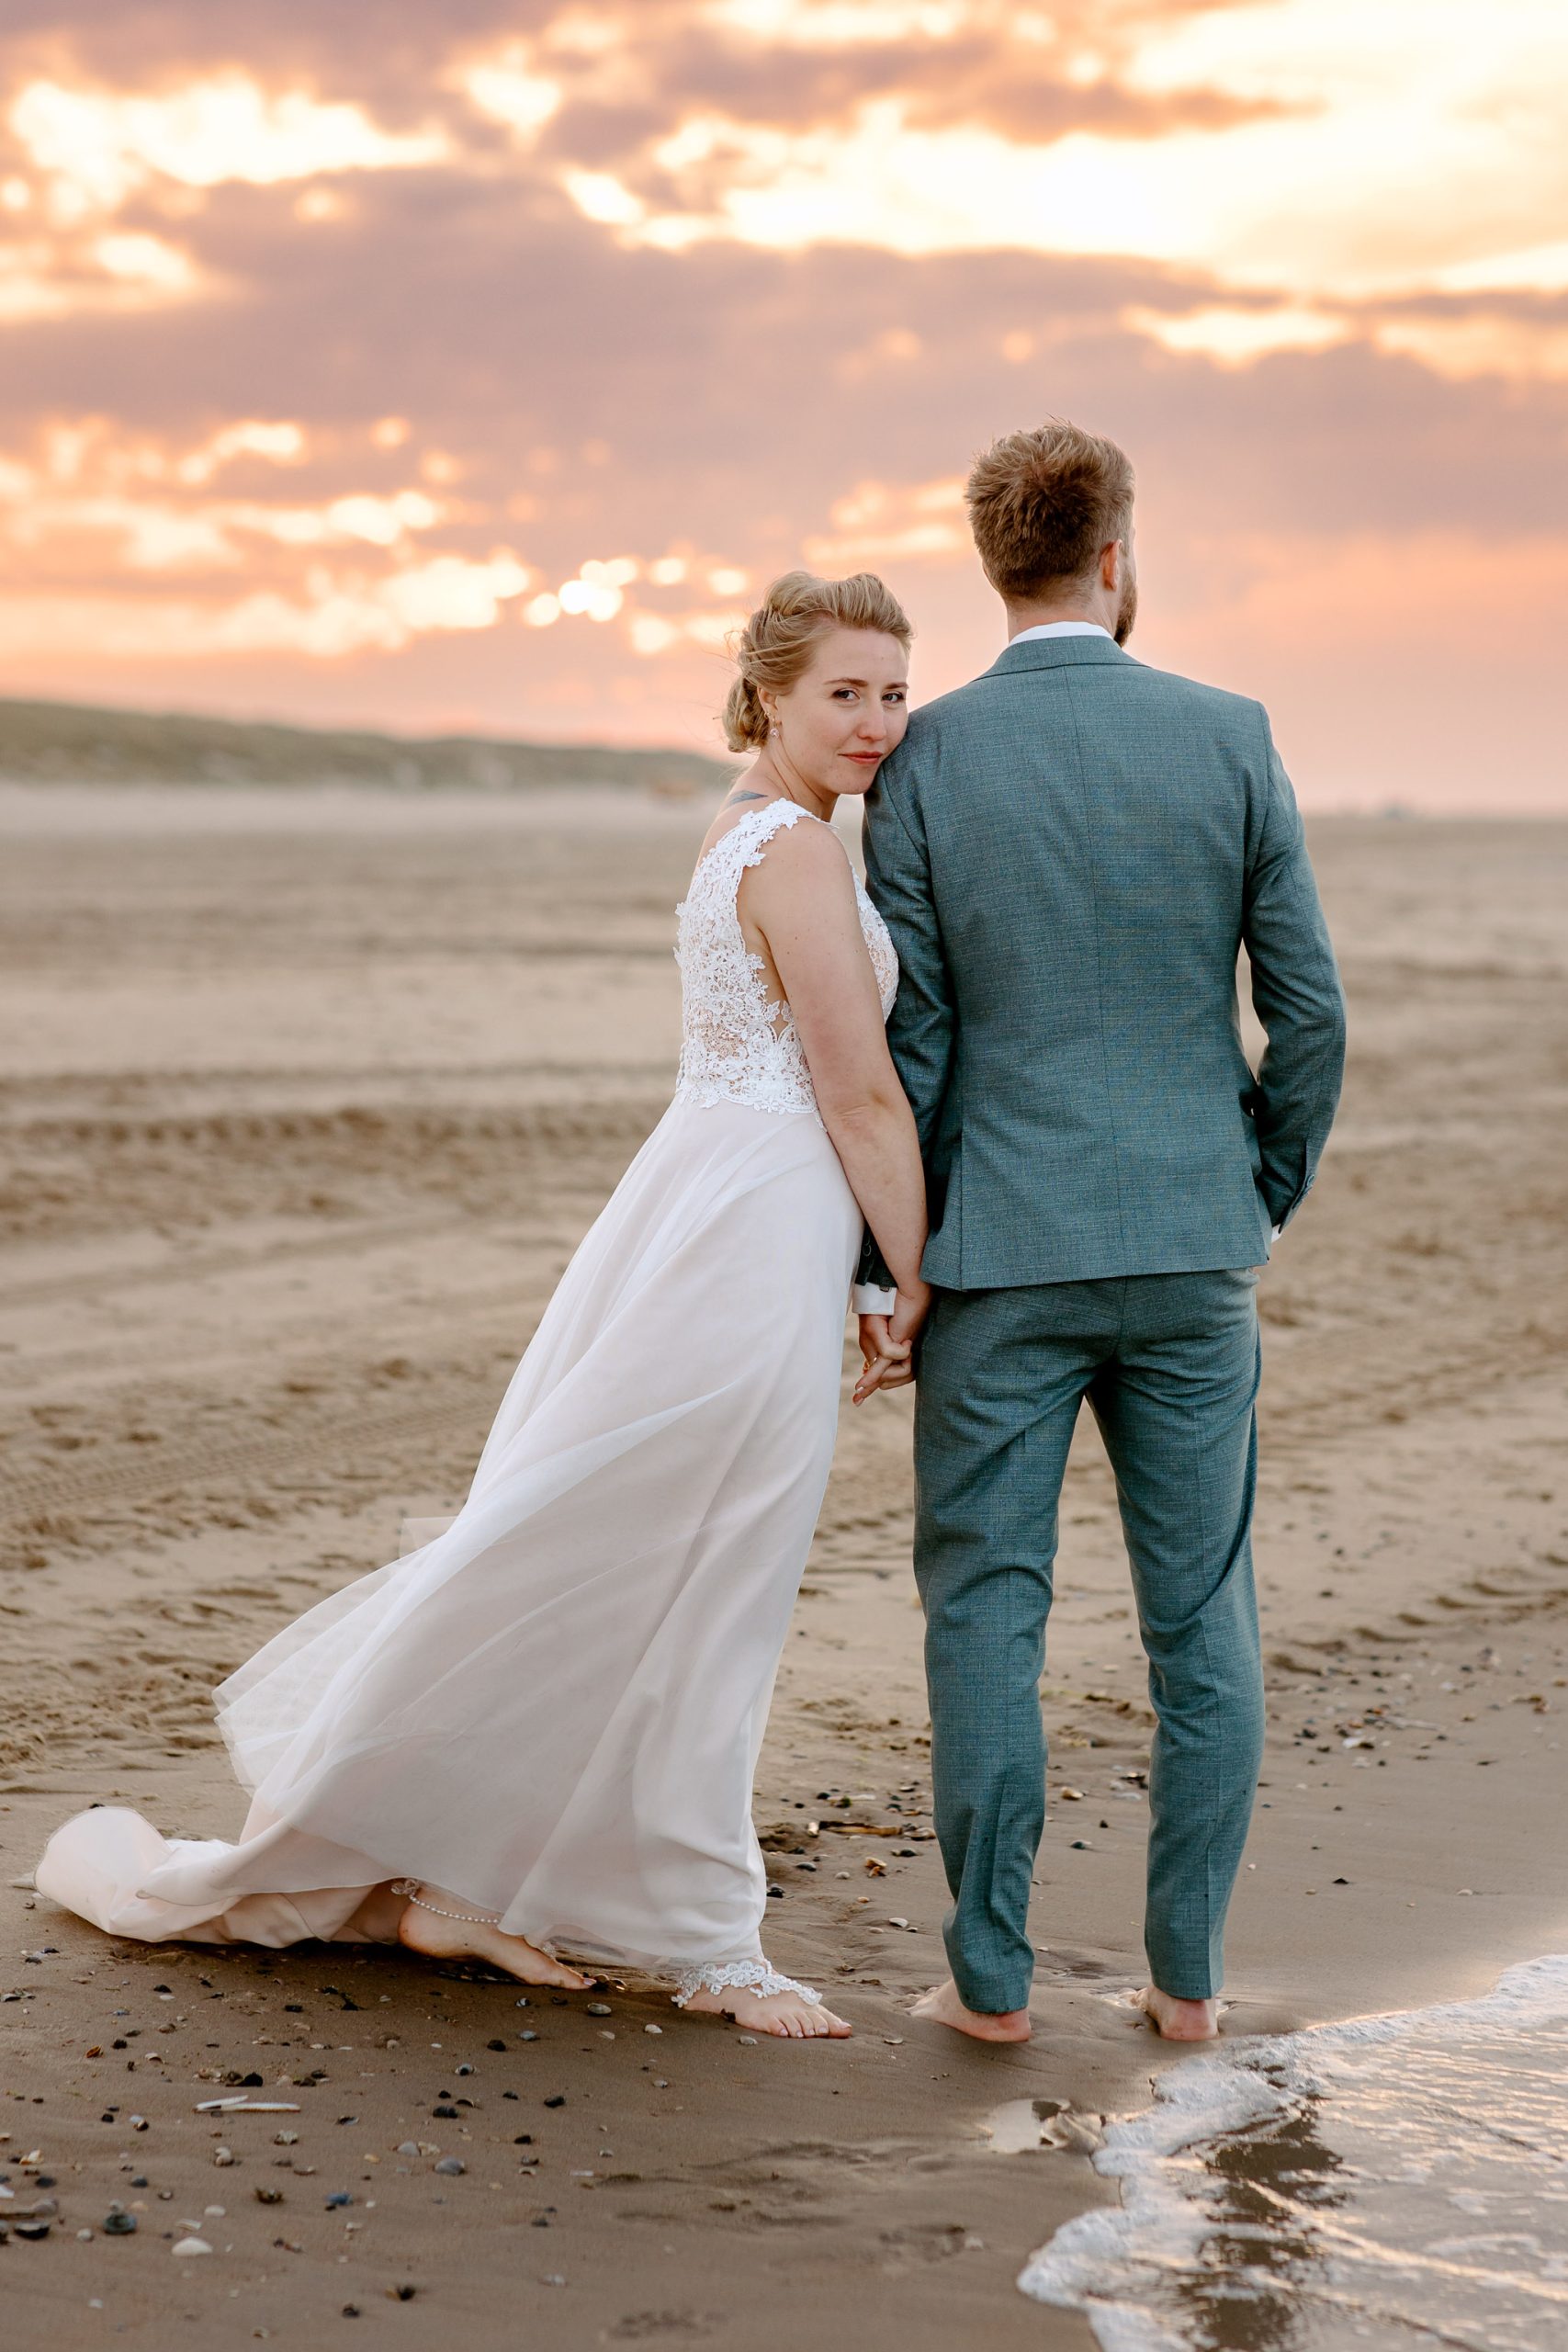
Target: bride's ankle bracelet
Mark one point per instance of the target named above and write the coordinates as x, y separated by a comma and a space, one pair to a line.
409, 1889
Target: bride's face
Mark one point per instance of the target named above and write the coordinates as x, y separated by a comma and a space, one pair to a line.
843, 715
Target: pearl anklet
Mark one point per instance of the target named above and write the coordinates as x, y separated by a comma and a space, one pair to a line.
408, 1888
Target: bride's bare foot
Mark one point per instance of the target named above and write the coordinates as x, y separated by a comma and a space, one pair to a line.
437, 1937
943, 2005
1175, 2020
788, 2015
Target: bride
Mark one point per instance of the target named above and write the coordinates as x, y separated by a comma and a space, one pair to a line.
536, 1735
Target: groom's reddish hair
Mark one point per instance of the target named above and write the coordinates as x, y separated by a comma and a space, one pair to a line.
1042, 505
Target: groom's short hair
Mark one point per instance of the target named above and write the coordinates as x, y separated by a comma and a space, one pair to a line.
1043, 504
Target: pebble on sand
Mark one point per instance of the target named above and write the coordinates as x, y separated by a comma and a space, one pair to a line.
190, 2246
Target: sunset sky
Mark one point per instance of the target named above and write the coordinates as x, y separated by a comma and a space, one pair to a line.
440, 363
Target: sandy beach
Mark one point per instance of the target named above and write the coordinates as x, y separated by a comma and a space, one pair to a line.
305, 1100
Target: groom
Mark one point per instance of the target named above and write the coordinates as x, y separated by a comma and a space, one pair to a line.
1069, 852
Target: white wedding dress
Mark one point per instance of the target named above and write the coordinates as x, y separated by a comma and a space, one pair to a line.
554, 1710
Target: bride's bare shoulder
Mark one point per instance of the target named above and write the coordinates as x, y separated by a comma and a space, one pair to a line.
802, 859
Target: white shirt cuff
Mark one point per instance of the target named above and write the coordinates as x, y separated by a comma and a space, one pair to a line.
865, 1299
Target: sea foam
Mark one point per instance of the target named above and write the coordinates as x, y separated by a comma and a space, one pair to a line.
1393, 2182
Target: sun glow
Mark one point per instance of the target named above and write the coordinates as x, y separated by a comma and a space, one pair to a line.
1353, 149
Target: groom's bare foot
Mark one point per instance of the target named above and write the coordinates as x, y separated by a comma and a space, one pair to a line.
434, 1936
943, 2005
788, 2016
1175, 2020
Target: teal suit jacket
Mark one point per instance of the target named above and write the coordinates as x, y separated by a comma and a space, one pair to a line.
1070, 853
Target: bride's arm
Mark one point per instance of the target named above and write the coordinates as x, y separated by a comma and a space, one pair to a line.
801, 898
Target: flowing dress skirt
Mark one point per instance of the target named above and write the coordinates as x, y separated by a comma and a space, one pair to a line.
554, 1708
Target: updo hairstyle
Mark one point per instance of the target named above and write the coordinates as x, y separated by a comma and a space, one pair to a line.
774, 647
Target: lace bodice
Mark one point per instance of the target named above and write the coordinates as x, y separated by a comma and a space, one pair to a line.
737, 1047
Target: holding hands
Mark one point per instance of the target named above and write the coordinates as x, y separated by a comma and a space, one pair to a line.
887, 1343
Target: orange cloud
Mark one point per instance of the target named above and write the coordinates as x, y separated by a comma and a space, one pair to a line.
95, 147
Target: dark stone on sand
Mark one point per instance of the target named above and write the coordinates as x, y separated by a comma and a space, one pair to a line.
269, 2196
451, 2165
339, 2197
496, 2044
558, 2099
600, 2009
119, 2224
32, 2230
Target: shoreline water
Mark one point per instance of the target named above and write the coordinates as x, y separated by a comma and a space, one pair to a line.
1393, 2180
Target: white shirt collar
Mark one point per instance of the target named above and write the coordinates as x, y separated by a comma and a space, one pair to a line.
1060, 628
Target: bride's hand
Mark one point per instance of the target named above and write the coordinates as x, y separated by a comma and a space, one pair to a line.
887, 1343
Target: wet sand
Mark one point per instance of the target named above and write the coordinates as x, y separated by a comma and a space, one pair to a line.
304, 1101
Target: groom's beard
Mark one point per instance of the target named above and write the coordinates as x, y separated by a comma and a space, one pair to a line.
1128, 614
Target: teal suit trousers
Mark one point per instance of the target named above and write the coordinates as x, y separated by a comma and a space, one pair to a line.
1169, 1364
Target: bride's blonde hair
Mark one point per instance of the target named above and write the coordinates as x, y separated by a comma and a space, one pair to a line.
775, 644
